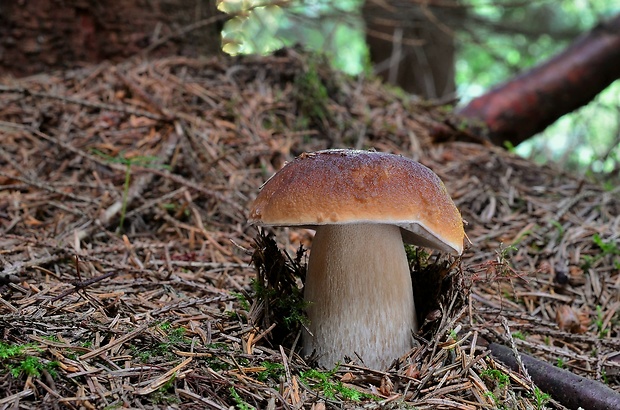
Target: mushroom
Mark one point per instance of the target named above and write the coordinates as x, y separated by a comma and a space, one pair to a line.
362, 204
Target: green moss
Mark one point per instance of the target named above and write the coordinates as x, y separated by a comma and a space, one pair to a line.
541, 398
33, 366
8, 351
607, 248
175, 338
240, 403
330, 388
600, 322
17, 360
272, 371
497, 376
243, 301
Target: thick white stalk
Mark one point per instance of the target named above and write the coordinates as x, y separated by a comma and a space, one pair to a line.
360, 298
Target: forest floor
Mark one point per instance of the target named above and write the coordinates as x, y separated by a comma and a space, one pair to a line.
126, 275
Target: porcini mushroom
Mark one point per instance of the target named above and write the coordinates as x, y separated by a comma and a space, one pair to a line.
362, 204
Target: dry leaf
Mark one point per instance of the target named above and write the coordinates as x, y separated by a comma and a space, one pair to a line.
347, 378
387, 387
568, 320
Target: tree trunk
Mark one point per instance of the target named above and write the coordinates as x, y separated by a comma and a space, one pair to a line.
518, 109
411, 45
38, 35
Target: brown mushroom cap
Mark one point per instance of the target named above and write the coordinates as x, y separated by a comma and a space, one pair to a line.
352, 186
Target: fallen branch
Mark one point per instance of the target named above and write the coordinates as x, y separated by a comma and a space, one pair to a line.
571, 390
518, 109
85, 103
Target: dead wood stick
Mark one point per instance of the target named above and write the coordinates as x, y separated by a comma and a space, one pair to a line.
64, 145
91, 104
47, 187
114, 343
199, 398
192, 185
184, 304
136, 190
82, 285
18, 267
158, 382
16, 397
118, 167
571, 390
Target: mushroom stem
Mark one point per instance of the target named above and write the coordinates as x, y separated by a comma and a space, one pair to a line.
360, 298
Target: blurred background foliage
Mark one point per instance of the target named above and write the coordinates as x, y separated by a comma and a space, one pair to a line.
494, 41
